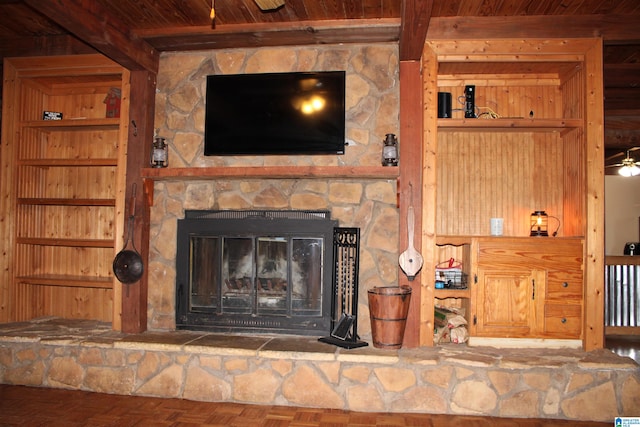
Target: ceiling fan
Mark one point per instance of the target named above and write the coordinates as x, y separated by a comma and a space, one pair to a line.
628, 166
264, 5
269, 4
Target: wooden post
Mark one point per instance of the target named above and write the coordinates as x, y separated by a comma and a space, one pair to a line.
410, 183
141, 113
593, 328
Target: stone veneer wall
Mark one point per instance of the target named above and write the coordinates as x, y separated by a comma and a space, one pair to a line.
567, 384
372, 104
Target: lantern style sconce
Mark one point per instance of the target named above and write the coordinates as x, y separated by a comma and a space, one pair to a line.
539, 224
390, 151
159, 153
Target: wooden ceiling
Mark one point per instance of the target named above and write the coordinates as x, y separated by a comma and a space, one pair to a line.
134, 33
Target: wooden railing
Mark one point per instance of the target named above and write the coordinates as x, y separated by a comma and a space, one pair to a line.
622, 293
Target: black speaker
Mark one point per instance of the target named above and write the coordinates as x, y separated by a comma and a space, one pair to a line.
444, 105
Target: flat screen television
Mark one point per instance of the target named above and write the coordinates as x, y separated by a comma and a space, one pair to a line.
275, 113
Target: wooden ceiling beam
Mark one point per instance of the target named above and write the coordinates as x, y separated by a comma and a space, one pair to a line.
416, 15
273, 34
614, 29
627, 98
42, 46
625, 123
618, 142
410, 31
99, 28
625, 75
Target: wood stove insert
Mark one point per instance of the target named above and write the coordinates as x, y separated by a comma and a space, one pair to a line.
255, 271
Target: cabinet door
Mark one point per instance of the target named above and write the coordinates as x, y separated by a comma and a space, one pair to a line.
506, 302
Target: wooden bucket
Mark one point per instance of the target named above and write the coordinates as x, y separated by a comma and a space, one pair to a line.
388, 308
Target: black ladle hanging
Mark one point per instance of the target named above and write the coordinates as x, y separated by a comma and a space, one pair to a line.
127, 265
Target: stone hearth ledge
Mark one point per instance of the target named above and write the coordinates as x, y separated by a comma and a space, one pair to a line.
61, 332
267, 369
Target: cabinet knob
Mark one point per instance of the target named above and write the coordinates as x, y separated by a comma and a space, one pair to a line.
564, 320
565, 285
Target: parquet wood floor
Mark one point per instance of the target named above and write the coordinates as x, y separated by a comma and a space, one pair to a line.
30, 406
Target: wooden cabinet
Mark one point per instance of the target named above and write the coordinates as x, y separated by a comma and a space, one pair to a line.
61, 186
532, 146
505, 303
527, 288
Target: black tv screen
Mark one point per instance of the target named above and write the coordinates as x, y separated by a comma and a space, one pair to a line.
275, 113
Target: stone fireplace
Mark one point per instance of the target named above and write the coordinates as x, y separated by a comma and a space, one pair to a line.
255, 271
366, 202
292, 370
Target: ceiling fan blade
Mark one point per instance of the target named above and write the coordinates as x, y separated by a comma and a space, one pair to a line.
623, 153
269, 4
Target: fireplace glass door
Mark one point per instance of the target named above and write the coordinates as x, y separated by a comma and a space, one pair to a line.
255, 273
260, 276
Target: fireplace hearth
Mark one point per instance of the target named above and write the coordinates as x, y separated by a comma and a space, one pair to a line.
255, 271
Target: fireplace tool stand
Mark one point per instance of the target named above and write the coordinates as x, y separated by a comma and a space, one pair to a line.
344, 302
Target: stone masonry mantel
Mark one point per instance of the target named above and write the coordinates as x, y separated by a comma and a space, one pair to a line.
150, 175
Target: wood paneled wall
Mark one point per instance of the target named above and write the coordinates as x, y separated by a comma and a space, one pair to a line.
507, 175
68, 303
574, 158
505, 99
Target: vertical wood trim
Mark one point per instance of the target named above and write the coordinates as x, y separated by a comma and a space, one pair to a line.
472, 316
142, 111
7, 193
120, 216
430, 137
410, 183
593, 328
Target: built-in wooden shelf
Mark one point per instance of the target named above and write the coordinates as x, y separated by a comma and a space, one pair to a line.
67, 162
442, 240
452, 293
62, 224
274, 172
453, 240
68, 281
74, 124
84, 243
65, 202
508, 125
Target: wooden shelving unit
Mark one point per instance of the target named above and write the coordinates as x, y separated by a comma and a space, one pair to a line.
507, 125
67, 281
66, 202
532, 155
61, 185
99, 124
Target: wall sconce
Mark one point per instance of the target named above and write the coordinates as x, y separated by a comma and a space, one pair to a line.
539, 224
159, 153
390, 151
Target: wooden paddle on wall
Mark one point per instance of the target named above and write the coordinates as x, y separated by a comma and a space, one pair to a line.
410, 260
